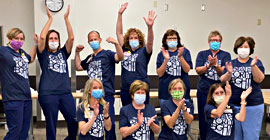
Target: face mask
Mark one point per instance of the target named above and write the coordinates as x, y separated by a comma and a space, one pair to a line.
214, 45
139, 98
94, 45
53, 45
172, 44
219, 99
243, 52
177, 94
134, 44
97, 93
16, 45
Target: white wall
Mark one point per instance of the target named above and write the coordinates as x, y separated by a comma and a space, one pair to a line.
233, 18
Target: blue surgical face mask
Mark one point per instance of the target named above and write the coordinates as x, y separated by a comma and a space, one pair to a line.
214, 45
172, 44
94, 45
134, 44
139, 98
97, 93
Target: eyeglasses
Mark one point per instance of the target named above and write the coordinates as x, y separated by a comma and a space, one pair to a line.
215, 40
172, 38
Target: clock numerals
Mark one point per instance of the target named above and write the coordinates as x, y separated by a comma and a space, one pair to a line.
54, 5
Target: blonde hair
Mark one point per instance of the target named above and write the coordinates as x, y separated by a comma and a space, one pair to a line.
137, 85
174, 82
12, 33
140, 37
214, 33
87, 96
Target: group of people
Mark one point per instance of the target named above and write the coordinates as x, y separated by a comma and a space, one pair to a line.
230, 101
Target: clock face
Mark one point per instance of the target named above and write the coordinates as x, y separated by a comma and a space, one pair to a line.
54, 5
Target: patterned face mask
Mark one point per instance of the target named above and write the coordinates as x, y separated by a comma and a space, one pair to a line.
178, 94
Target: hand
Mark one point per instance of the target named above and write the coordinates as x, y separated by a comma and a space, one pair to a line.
48, 13
36, 39
140, 117
123, 8
79, 48
181, 103
246, 93
180, 51
229, 67
165, 53
152, 119
111, 40
228, 89
96, 108
67, 13
106, 109
212, 60
150, 19
254, 61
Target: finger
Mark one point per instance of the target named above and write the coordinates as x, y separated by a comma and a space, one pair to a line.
144, 19
154, 117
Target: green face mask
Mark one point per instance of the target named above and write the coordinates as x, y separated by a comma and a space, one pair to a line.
177, 94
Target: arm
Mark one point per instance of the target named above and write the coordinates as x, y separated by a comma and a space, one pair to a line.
219, 69
77, 58
150, 36
108, 123
119, 25
170, 120
161, 70
242, 114
126, 131
188, 117
119, 56
70, 40
202, 69
33, 52
228, 75
182, 60
41, 43
155, 128
257, 74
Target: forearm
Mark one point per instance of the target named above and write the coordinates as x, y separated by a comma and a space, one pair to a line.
77, 62
242, 114
188, 117
41, 43
226, 77
87, 126
33, 53
171, 121
108, 124
219, 70
126, 131
257, 74
70, 40
119, 52
150, 40
155, 128
202, 69
119, 30
184, 64
161, 70
221, 108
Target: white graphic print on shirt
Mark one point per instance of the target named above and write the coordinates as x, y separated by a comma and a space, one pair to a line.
180, 126
97, 129
57, 63
21, 67
174, 66
223, 125
94, 70
212, 73
241, 77
129, 62
143, 133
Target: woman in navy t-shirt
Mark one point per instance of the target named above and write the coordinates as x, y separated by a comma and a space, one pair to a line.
137, 119
54, 86
220, 116
242, 73
16, 94
174, 61
137, 54
93, 112
176, 113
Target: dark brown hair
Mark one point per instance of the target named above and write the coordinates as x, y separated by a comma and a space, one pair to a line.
171, 32
47, 40
212, 89
241, 40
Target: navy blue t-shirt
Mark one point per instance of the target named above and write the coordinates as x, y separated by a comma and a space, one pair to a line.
134, 66
128, 117
179, 130
97, 130
54, 77
14, 74
173, 70
211, 76
101, 66
221, 128
242, 79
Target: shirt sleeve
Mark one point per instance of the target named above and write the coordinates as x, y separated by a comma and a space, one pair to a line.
160, 60
27, 56
260, 66
226, 58
84, 63
111, 55
190, 107
123, 119
187, 57
64, 49
208, 109
164, 110
80, 113
200, 60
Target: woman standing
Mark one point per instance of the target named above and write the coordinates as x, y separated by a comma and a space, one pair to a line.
16, 94
244, 72
92, 112
54, 87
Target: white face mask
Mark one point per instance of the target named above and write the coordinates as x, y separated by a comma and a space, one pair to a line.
53, 45
219, 99
243, 52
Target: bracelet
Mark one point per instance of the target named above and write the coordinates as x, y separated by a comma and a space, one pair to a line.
243, 103
106, 118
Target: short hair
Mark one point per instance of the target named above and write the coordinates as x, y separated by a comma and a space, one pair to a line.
137, 85
214, 33
48, 37
171, 32
140, 37
93, 31
241, 40
12, 33
212, 89
174, 82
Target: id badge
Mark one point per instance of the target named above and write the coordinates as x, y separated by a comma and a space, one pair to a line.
228, 111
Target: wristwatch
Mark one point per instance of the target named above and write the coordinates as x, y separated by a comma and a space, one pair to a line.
106, 118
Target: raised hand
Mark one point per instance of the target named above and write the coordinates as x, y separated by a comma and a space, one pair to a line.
229, 67
67, 13
228, 89
246, 93
165, 53
123, 8
111, 40
152, 119
254, 61
180, 51
96, 108
48, 13
79, 48
150, 19
35, 39
106, 109
140, 117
